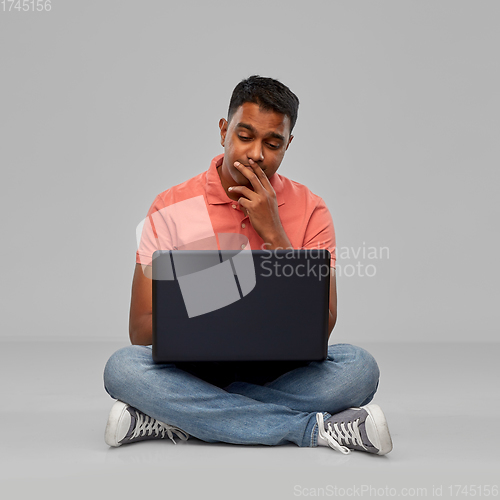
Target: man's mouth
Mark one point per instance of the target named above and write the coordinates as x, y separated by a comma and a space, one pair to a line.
248, 166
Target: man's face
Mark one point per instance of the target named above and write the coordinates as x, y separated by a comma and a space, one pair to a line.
252, 133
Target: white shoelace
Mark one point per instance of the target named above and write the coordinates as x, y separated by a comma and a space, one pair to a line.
146, 425
340, 435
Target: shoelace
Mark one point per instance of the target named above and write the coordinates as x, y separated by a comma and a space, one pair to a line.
340, 435
146, 425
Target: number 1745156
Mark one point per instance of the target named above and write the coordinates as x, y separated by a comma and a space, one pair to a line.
26, 5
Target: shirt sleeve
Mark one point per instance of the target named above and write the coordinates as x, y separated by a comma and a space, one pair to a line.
320, 232
173, 224
149, 237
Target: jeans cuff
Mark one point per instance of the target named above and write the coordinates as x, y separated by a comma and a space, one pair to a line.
314, 433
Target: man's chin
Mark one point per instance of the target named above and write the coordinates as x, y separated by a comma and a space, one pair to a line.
240, 180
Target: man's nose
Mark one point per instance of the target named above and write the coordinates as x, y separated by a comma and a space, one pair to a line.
254, 151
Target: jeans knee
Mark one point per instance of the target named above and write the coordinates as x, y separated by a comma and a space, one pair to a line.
119, 369
360, 372
368, 375
370, 369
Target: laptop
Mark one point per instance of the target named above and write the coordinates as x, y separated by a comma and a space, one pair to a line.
238, 306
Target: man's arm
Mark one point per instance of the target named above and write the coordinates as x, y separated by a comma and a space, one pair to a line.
262, 210
141, 307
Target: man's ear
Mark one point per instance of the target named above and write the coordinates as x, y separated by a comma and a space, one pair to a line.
223, 130
289, 141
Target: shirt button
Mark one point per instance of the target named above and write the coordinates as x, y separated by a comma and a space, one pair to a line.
234, 206
243, 247
243, 225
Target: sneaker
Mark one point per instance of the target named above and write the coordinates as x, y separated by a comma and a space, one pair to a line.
127, 424
363, 429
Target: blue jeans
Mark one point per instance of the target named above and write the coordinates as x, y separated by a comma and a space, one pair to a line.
279, 411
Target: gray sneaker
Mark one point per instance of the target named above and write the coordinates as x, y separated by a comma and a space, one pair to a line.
127, 424
363, 429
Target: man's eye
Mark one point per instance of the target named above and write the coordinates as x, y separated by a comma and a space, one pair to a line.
273, 146
244, 138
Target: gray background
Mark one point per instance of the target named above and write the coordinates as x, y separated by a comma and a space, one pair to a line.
104, 104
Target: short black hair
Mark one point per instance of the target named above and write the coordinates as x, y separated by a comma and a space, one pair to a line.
268, 93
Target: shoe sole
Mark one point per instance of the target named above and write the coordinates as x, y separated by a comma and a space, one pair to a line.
382, 430
112, 426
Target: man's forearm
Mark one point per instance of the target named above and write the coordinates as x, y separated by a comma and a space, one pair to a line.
141, 332
277, 242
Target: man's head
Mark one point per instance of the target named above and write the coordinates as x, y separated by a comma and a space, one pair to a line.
268, 94
261, 116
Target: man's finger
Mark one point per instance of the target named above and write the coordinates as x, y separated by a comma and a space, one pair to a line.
243, 190
251, 176
261, 175
244, 204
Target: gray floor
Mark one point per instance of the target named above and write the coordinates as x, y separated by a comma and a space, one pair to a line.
441, 402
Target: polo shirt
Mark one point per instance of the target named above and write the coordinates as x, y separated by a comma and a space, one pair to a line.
198, 215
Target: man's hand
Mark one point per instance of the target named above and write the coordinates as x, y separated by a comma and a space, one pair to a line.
261, 206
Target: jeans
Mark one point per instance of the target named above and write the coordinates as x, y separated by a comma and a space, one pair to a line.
278, 411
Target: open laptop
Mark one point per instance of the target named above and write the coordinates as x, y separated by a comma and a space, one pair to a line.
243, 305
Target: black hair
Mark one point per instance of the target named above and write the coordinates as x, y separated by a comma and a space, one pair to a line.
268, 93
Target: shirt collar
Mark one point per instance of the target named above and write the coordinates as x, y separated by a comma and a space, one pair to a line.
216, 194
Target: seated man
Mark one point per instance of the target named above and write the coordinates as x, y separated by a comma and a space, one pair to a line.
316, 404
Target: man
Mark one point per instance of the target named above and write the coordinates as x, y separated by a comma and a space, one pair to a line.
316, 404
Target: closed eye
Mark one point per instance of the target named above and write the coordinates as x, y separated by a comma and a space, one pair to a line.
271, 145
